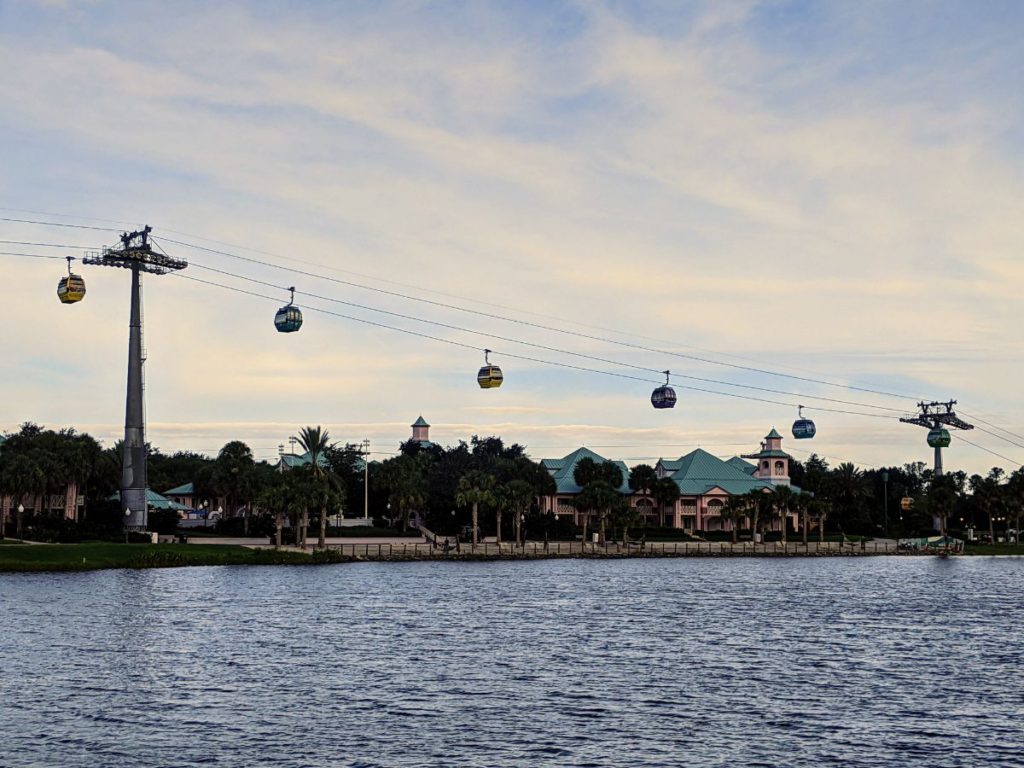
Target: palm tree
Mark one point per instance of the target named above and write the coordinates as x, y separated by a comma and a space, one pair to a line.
232, 475
760, 500
642, 479
519, 494
600, 485
1015, 499
315, 442
734, 510
21, 476
475, 488
820, 509
666, 493
404, 478
783, 500
988, 495
802, 504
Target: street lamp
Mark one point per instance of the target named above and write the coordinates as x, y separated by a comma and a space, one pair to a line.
366, 479
21, 511
885, 500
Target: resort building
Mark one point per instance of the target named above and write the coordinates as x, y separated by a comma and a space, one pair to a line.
562, 503
421, 432
705, 484
68, 504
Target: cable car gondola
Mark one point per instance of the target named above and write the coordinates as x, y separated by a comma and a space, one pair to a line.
938, 437
803, 429
71, 288
664, 396
289, 317
490, 376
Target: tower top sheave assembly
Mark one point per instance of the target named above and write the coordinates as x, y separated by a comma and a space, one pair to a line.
136, 252
936, 416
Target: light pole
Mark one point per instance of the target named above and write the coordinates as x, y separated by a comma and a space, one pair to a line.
366, 479
885, 501
21, 511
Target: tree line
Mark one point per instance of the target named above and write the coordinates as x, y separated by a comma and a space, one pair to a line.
484, 485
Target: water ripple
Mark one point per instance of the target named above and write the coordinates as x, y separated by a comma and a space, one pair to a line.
732, 662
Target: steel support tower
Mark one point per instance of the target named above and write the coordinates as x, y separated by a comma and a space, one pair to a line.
936, 415
137, 255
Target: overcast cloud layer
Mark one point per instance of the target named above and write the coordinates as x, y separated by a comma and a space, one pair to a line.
829, 190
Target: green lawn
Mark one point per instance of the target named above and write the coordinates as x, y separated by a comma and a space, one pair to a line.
90, 556
994, 549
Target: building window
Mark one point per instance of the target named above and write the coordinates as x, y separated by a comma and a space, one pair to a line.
764, 465
780, 467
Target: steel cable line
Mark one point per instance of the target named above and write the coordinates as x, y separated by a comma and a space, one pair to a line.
987, 450
994, 426
540, 326
503, 318
527, 358
46, 245
383, 280
548, 348
57, 224
376, 324
34, 255
995, 434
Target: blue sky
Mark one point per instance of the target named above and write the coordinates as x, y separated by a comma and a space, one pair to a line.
827, 189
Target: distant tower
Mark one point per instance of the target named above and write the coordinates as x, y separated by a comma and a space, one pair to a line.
936, 417
421, 432
772, 461
137, 255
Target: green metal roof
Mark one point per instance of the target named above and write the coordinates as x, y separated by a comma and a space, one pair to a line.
773, 434
742, 465
561, 470
420, 422
294, 460
155, 500
699, 472
772, 454
188, 489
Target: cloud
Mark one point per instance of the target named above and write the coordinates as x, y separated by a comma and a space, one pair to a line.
717, 179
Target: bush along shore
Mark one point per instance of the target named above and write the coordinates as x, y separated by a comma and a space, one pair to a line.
100, 555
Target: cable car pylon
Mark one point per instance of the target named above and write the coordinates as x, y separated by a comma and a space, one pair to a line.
135, 254
936, 416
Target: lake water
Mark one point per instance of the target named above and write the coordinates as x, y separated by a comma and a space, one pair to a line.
714, 662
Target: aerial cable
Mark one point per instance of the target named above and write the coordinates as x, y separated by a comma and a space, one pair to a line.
418, 334
352, 272
120, 224
999, 455
527, 358
46, 245
548, 348
57, 224
32, 255
541, 326
503, 318
995, 434
994, 426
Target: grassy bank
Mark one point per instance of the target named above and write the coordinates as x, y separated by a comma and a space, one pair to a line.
90, 556
994, 549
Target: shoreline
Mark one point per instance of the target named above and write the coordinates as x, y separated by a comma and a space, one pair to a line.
37, 558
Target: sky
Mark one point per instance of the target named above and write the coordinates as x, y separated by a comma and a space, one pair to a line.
829, 191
